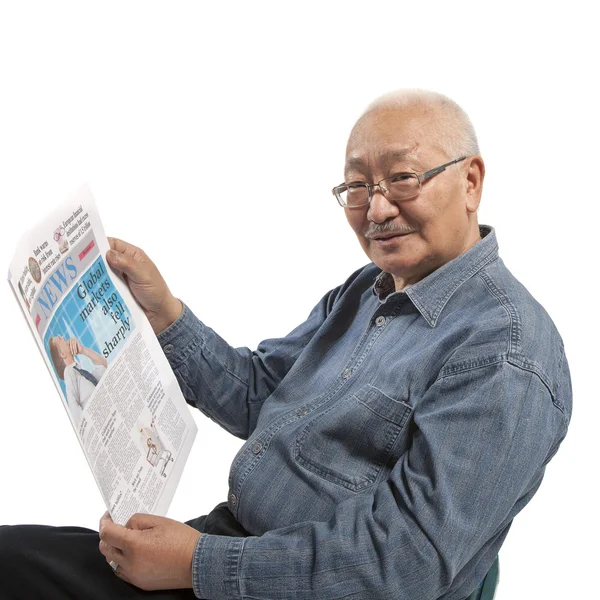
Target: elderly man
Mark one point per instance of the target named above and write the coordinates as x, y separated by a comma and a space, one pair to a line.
391, 438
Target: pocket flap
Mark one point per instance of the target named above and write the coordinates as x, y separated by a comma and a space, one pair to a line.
394, 411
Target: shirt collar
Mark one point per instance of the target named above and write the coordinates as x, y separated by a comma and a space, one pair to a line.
431, 294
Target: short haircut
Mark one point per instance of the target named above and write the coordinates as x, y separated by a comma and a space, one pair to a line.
57, 359
458, 137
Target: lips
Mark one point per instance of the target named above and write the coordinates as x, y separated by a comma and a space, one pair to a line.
391, 234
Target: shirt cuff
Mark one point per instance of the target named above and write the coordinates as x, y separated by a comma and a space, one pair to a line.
215, 567
182, 337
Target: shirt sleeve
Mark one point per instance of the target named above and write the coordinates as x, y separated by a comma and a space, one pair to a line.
98, 371
481, 440
231, 384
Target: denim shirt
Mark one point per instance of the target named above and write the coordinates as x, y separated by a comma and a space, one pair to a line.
391, 438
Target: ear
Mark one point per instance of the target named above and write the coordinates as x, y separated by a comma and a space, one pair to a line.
474, 182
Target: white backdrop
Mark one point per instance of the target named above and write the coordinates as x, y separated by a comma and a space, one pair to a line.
211, 135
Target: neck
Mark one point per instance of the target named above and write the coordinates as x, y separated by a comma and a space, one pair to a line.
403, 282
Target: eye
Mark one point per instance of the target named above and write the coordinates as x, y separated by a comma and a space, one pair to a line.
399, 177
353, 185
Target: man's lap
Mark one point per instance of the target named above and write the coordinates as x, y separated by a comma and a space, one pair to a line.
65, 562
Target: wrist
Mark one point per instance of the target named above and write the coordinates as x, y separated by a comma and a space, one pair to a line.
167, 316
189, 558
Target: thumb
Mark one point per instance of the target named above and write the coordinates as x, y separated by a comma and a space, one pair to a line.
142, 521
124, 264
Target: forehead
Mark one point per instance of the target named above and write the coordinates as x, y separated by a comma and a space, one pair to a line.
390, 136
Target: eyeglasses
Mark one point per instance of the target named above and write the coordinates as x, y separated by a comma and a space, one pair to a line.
398, 187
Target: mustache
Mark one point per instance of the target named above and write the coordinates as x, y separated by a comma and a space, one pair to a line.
388, 228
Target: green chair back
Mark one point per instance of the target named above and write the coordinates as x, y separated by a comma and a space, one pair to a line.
487, 589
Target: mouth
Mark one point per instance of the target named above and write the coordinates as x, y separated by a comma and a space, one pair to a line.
390, 235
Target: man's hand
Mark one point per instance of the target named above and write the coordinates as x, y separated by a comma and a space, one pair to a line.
75, 346
145, 282
152, 553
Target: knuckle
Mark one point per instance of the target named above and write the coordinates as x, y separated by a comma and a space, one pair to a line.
133, 543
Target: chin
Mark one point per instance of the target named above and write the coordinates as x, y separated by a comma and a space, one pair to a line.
395, 264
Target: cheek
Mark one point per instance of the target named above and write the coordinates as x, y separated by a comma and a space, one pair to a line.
356, 220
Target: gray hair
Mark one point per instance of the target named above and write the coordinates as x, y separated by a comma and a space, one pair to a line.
458, 136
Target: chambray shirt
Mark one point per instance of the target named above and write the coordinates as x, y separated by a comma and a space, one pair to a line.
391, 438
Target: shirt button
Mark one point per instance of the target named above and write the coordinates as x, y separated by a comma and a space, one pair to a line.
233, 499
346, 373
168, 348
380, 321
302, 412
257, 448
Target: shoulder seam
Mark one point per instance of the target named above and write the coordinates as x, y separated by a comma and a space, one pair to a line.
518, 362
509, 307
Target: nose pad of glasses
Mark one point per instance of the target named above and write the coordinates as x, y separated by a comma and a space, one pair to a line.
383, 188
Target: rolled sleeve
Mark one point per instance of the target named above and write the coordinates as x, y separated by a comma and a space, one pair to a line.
215, 567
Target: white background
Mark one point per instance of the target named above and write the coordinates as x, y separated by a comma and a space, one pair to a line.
211, 135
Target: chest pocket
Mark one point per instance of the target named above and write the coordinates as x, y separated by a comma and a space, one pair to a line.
352, 441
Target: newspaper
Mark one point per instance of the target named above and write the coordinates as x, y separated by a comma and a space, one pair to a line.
117, 386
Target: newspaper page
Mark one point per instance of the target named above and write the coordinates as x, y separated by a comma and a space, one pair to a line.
117, 386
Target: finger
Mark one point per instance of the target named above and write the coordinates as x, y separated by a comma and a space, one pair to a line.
123, 247
113, 534
143, 521
120, 572
110, 552
137, 267
113, 261
124, 263
104, 518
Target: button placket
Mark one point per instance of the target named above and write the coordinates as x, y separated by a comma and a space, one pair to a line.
373, 331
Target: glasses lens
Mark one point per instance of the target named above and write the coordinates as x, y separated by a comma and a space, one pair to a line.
354, 195
402, 186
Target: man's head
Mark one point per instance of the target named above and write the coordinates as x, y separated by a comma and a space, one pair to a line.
61, 355
413, 131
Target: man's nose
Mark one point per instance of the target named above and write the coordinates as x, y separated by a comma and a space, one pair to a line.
381, 209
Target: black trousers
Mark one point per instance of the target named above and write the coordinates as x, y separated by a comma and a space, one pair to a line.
37, 561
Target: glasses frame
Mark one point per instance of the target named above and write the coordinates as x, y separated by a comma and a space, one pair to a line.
421, 177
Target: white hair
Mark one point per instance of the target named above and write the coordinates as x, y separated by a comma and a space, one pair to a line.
458, 135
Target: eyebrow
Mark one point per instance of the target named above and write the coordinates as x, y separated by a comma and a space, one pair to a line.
358, 164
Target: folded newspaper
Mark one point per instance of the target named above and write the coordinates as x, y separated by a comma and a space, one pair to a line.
120, 393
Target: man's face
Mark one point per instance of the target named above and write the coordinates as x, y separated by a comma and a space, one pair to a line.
430, 229
61, 345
